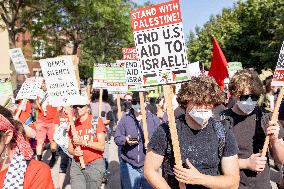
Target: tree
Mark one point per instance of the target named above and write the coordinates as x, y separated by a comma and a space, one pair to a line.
251, 33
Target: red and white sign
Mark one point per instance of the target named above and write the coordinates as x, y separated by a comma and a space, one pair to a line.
160, 43
278, 77
129, 54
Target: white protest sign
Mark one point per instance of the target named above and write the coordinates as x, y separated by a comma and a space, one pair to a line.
19, 61
194, 69
133, 72
278, 77
160, 43
234, 67
61, 82
30, 88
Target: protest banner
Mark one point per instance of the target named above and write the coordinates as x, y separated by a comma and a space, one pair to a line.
129, 54
30, 88
111, 78
61, 82
19, 61
278, 80
160, 43
161, 50
6, 91
234, 67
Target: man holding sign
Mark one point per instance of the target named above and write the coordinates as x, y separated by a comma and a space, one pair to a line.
250, 124
208, 149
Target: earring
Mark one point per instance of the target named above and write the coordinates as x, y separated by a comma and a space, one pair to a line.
5, 154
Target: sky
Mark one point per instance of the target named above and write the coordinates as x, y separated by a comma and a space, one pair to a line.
196, 12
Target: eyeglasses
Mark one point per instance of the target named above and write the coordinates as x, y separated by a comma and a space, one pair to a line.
252, 96
78, 106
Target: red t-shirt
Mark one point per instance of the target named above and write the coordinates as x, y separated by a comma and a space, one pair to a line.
50, 114
85, 131
25, 114
62, 120
38, 175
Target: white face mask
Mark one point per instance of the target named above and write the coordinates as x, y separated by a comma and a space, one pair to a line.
247, 106
200, 116
136, 108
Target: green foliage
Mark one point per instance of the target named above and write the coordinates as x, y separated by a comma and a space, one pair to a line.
251, 33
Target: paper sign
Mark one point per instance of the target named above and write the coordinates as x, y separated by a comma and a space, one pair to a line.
129, 53
278, 77
6, 88
61, 82
30, 88
111, 78
19, 61
234, 67
160, 43
194, 69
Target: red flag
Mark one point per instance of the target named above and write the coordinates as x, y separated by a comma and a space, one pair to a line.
219, 65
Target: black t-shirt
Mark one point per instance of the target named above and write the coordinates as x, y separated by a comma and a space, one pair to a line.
200, 147
250, 136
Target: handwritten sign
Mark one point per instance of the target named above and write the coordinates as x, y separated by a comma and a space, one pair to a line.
160, 44
278, 77
61, 82
19, 61
30, 89
6, 88
234, 67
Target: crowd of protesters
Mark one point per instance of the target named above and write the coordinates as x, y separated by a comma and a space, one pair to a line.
220, 143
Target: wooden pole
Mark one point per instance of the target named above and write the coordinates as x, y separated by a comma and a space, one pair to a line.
100, 102
24, 102
75, 134
119, 112
274, 118
144, 121
168, 93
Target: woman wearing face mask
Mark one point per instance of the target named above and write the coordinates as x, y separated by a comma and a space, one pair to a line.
250, 125
208, 149
129, 137
17, 169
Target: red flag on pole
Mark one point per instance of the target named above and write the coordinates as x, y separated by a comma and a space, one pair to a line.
219, 64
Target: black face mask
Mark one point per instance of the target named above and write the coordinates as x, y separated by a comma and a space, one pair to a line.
127, 105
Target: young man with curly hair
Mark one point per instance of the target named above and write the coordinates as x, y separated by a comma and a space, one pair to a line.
250, 125
208, 149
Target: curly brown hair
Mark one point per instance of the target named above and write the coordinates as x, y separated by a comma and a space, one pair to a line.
201, 90
246, 79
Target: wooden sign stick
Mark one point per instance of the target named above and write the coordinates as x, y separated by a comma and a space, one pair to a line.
100, 103
168, 93
75, 134
119, 112
144, 121
274, 118
16, 117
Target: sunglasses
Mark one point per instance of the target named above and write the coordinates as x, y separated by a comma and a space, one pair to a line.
252, 96
78, 106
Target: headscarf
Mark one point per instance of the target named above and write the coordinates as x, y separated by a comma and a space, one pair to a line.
22, 146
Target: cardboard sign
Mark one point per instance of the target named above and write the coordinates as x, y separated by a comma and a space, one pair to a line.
234, 67
61, 82
278, 77
129, 54
111, 78
160, 43
30, 89
19, 61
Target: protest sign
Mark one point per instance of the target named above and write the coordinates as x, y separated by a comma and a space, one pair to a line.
6, 91
132, 71
278, 77
61, 82
30, 89
129, 54
278, 80
160, 43
194, 69
112, 78
19, 61
234, 67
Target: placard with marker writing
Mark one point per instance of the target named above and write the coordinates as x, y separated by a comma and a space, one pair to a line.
278, 77
30, 89
160, 43
19, 61
61, 82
